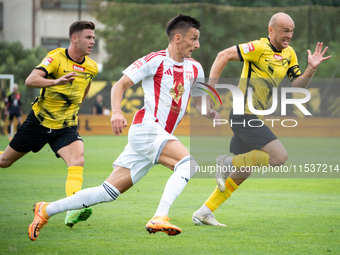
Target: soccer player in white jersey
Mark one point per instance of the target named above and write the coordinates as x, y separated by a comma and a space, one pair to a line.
167, 77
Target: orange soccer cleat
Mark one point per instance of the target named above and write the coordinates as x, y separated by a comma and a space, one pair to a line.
162, 224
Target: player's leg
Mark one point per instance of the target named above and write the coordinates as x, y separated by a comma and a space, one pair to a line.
73, 155
204, 215
9, 156
174, 156
107, 192
252, 147
273, 154
31, 137
9, 126
119, 181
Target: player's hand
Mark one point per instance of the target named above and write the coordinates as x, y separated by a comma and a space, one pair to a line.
67, 78
118, 122
213, 115
318, 55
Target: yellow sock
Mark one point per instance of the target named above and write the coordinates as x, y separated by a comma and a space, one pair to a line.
1, 152
74, 180
252, 158
217, 197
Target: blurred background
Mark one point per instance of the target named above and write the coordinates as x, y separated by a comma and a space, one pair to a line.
128, 30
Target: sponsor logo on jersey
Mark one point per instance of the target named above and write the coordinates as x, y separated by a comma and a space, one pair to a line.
248, 47
174, 108
137, 64
177, 91
279, 57
79, 68
179, 70
47, 61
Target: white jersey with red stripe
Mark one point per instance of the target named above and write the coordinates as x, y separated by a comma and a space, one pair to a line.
167, 86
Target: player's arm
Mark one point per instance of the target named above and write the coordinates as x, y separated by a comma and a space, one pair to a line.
222, 59
37, 79
211, 114
313, 62
118, 122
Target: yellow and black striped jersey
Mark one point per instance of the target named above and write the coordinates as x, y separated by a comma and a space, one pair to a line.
264, 68
57, 106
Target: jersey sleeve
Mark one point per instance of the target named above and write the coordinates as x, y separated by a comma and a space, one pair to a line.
138, 70
199, 88
293, 71
49, 63
250, 51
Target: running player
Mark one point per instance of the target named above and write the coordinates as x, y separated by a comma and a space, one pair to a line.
64, 77
167, 77
266, 62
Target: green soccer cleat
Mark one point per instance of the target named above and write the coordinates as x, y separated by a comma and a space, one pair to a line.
75, 216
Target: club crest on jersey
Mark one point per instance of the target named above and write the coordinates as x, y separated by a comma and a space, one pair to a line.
47, 61
79, 68
188, 75
176, 92
248, 47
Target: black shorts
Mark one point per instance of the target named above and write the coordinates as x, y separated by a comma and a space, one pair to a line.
14, 113
32, 136
247, 137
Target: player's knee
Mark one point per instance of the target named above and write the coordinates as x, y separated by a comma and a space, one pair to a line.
5, 163
280, 159
77, 161
187, 164
193, 166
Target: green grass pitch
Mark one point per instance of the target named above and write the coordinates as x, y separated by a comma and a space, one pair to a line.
264, 216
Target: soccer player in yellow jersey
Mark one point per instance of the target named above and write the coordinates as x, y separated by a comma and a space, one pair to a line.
64, 77
266, 62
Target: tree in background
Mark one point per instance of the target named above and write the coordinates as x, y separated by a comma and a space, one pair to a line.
134, 30
14, 59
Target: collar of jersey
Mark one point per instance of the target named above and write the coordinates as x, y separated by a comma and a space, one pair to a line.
273, 48
80, 63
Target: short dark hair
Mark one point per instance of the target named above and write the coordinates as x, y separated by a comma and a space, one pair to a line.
80, 26
181, 22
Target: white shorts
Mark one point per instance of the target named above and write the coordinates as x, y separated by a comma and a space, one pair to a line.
145, 144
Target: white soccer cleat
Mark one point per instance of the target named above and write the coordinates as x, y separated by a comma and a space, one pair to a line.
222, 173
206, 220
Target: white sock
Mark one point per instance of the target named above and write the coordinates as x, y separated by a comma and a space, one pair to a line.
176, 183
204, 210
84, 198
163, 209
